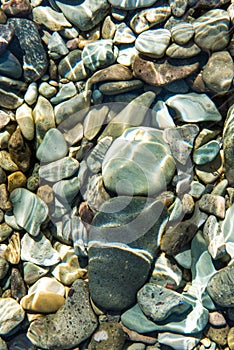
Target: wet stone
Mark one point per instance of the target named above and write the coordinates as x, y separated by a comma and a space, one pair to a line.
71, 67
70, 325
214, 237
51, 19
220, 287
16, 180
217, 319
183, 51
178, 7
12, 315
19, 150
9, 100
34, 57
18, 8
25, 121
123, 34
228, 145
59, 169
47, 90
99, 54
218, 335
115, 72
162, 73
131, 4
182, 32
4, 267
5, 37
10, 65
44, 119
18, 288
120, 87
213, 204
65, 92
5, 204
108, 28
212, 30
153, 43
53, 146
206, 153
109, 335
218, 73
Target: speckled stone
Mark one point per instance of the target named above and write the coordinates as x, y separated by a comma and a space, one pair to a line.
153, 43
33, 53
218, 73
15, 180
109, 336
6, 162
162, 73
5, 37
17, 8
5, 204
19, 150
212, 30
70, 325
218, 335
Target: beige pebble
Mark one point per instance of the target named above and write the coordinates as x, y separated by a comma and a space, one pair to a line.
230, 338
12, 253
11, 315
25, 121
212, 204
42, 302
5, 204
45, 192
15, 180
6, 162
217, 319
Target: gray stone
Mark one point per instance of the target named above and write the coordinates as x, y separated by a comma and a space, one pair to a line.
10, 65
109, 336
183, 51
65, 92
182, 32
71, 67
51, 19
59, 169
153, 43
131, 4
70, 325
53, 146
56, 46
228, 145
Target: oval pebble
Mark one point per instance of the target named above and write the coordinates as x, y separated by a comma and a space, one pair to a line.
182, 32
153, 43
206, 153
53, 146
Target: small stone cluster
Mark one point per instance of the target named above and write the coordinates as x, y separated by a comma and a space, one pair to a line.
116, 174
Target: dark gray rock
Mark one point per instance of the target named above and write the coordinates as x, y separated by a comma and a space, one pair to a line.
28, 47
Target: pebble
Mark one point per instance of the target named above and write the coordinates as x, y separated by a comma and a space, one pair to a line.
19, 150
84, 16
144, 159
96, 194
210, 172
99, 54
116, 88
108, 28
5, 37
206, 153
6, 162
72, 67
193, 107
51, 19
183, 51
17, 8
47, 90
18, 288
130, 4
31, 246
16, 180
220, 287
213, 204
34, 56
5, 204
162, 73
109, 335
217, 319
153, 43
65, 92
12, 315
10, 65
29, 210
127, 54
59, 170
218, 335
12, 252
31, 94
182, 32
114, 72
230, 338
214, 237
218, 73
25, 121
159, 303
53, 146
4, 267
178, 341
44, 119
147, 18
5, 231
212, 30
228, 145
123, 34
56, 46
73, 323
9, 100
32, 273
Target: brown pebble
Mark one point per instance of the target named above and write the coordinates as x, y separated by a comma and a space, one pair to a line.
218, 335
217, 319
18, 289
85, 213
5, 204
17, 8
230, 338
16, 180
72, 44
19, 150
46, 194
12, 252
137, 337
3, 17
115, 72
212, 204
162, 72
3, 176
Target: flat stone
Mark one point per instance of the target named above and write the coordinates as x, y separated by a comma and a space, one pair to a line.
33, 53
206, 153
12, 315
75, 107
53, 146
30, 246
51, 19
131, 4
212, 30
220, 287
6, 162
99, 54
10, 65
94, 121
25, 121
193, 107
70, 325
147, 18
29, 210
162, 73
33, 273
18, 8
47, 90
59, 169
31, 94
9, 100
228, 145
65, 92
116, 289
218, 73
183, 51
114, 72
5, 37
153, 43
120, 87
123, 34
178, 341
213, 205
72, 67
158, 303
182, 32
85, 16
141, 167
